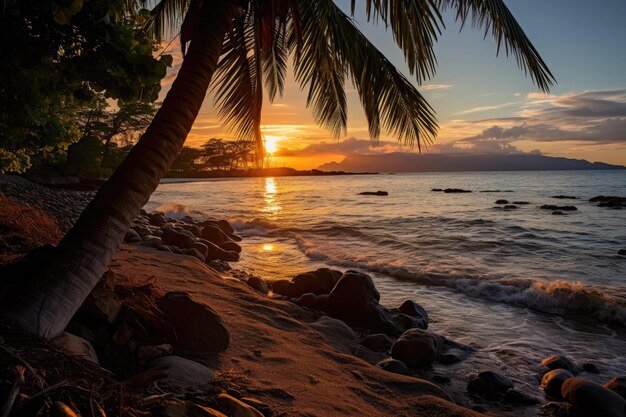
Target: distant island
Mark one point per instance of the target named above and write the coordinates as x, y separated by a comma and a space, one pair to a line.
439, 162
258, 172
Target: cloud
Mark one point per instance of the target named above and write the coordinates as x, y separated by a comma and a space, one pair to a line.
486, 108
345, 147
429, 87
585, 118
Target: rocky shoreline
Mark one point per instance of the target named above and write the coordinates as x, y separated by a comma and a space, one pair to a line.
184, 340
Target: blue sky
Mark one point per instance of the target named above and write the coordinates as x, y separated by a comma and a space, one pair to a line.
485, 103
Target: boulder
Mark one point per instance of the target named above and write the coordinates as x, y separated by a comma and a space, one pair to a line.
489, 384
591, 368
306, 300
377, 342
258, 284
378, 193
621, 252
152, 241
195, 327
141, 230
230, 246
132, 236
413, 309
76, 346
195, 253
202, 248
590, 399
334, 328
501, 201
452, 355
393, 365
157, 219
617, 385
553, 380
560, 362
177, 238
281, 287
181, 372
417, 347
214, 234
196, 230
318, 282
236, 408
354, 297
217, 253
455, 190
225, 226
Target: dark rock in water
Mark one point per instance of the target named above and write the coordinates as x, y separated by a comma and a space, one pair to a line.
561, 208
509, 207
455, 190
132, 236
405, 322
558, 213
377, 342
617, 385
217, 253
560, 362
177, 238
181, 372
553, 380
230, 246
489, 384
591, 368
318, 282
225, 226
197, 232
502, 201
354, 297
437, 190
195, 327
590, 399
609, 201
621, 252
188, 219
417, 347
214, 234
380, 193
258, 284
393, 365
565, 197
516, 397
281, 287
413, 309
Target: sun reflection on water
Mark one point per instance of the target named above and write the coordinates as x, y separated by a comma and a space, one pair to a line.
267, 247
272, 207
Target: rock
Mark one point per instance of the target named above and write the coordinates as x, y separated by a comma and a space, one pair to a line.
177, 238
451, 356
196, 327
509, 207
377, 342
501, 201
152, 241
188, 219
141, 230
225, 226
181, 372
558, 208
405, 322
393, 365
621, 252
354, 297
151, 352
609, 201
157, 219
196, 230
214, 234
76, 346
306, 300
413, 309
132, 236
557, 213
513, 396
334, 328
455, 190
164, 248
553, 380
379, 193
489, 384
417, 347
217, 253
591, 368
560, 362
258, 284
281, 287
236, 408
617, 385
195, 253
564, 197
230, 246
201, 248
318, 282
590, 399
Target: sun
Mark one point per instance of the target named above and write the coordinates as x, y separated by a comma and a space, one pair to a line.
271, 143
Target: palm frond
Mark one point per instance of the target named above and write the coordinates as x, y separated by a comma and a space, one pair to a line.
388, 98
168, 17
493, 16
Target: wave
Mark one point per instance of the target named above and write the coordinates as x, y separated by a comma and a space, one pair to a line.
178, 211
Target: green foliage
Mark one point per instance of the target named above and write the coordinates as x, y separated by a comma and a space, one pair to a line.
215, 154
56, 58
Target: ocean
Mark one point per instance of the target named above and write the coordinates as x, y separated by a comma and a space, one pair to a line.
518, 285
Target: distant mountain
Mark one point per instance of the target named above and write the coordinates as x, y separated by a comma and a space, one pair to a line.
439, 162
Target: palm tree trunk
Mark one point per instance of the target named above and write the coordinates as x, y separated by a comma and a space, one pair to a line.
45, 304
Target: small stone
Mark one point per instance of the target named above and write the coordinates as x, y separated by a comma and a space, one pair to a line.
560, 362
591, 399
489, 384
417, 347
258, 284
393, 365
553, 380
591, 368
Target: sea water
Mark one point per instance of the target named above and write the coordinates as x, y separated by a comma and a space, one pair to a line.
518, 285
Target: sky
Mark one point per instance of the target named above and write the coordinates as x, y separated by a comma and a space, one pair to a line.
484, 103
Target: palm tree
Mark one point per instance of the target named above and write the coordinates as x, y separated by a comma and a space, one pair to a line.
240, 47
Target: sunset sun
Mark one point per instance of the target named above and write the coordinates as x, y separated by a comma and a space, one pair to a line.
271, 144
